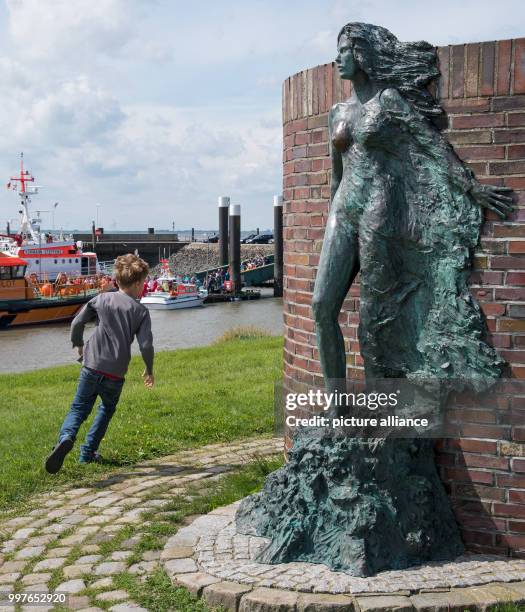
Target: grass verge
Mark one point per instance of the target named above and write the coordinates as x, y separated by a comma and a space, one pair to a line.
203, 395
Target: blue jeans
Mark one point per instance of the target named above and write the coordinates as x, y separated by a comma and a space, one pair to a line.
91, 385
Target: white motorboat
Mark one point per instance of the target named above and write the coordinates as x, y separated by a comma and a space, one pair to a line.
185, 296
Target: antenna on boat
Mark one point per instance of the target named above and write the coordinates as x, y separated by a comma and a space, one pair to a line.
19, 182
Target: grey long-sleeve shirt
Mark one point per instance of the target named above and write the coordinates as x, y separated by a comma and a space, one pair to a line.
119, 319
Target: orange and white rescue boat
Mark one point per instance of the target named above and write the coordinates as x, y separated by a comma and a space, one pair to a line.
28, 300
46, 255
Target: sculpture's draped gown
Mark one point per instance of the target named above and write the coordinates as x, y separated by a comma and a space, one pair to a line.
406, 193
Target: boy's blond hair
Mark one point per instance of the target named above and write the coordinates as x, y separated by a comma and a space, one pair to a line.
130, 269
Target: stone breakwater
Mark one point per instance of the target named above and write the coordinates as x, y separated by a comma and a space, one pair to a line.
198, 256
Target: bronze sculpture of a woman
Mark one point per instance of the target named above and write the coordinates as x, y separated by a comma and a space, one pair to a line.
405, 213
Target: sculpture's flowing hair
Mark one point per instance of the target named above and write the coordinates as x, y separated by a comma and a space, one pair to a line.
407, 66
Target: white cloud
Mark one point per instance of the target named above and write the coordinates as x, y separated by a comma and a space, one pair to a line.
156, 107
53, 29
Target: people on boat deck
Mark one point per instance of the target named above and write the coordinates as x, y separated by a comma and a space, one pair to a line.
105, 358
153, 284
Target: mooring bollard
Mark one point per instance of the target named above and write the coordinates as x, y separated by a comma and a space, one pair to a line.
278, 246
235, 247
224, 203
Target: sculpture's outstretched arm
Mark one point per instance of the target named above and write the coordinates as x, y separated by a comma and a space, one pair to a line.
434, 143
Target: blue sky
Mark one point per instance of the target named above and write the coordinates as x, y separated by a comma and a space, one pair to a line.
153, 108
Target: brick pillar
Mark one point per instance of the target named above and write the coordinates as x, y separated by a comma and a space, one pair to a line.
482, 89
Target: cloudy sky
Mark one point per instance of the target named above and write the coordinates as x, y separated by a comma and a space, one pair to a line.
153, 108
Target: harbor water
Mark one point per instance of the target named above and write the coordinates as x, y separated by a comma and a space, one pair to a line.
29, 348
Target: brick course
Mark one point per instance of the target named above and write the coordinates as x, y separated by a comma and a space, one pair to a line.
481, 89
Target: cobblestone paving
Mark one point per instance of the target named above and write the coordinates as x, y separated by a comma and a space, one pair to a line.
226, 554
213, 551
58, 547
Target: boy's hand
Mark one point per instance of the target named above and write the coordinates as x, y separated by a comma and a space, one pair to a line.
149, 380
80, 351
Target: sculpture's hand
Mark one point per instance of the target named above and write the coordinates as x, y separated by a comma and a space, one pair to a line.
493, 198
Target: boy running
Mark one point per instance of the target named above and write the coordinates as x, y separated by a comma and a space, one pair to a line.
106, 356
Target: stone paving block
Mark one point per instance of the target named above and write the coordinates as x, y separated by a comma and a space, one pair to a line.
118, 595
59, 551
41, 540
384, 603
11, 545
58, 513
78, 602
73, 519
226, 594
515, 591
121, 555
29, 579
74, 539
56, 528
492, 594
176, 552
88, 559
103, 583
29, 552
12, 566
269, 600
71, 586
311, 602
143, 567
180, 566
49, 564
102, 538
432, 602
208, 523
88, 529
23, 534
194, 582
187, 536
461, 601
109, 568
97, 519
36, 588
10, 577
77, 570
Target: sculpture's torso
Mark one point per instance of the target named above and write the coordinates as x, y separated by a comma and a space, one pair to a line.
370, 145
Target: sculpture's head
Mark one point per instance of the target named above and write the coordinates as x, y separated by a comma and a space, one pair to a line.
407, 66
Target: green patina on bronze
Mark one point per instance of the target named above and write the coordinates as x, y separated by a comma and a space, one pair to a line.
405, 213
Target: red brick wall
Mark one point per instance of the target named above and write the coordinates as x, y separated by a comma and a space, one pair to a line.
482, 89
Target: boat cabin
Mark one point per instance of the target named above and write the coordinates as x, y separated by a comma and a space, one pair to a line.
13, 285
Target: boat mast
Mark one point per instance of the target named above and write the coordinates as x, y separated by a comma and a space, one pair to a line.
26, 225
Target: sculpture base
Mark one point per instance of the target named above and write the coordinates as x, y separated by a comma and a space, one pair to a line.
357, 505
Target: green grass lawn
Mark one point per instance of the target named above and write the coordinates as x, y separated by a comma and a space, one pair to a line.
202, 396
